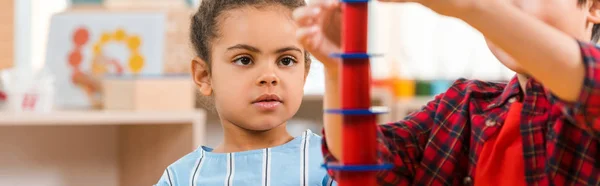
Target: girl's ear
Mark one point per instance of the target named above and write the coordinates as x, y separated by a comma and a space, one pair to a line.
594, 15
201, 75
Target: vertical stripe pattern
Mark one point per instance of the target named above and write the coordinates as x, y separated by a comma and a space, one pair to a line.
256, 167
266, 181
304, 160
196, 169
230, 169
169, 177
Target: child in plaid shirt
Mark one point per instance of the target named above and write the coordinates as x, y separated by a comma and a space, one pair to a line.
541, 128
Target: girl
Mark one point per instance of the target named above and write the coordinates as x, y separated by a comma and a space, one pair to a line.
253, 69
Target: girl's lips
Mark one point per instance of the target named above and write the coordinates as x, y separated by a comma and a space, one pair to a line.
267, 105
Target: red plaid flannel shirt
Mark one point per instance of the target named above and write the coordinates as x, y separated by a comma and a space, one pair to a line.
440, 144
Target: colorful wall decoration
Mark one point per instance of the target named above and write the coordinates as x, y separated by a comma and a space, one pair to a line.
94, 45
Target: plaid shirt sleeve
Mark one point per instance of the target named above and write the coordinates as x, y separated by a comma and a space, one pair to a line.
585, 112
401, 144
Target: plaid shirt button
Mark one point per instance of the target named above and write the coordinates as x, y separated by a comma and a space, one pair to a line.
467, 181
512, 100
490, 123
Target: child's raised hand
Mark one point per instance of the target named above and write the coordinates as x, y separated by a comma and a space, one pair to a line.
320, 29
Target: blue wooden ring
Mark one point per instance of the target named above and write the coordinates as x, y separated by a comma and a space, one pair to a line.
353, 55
340, 167
356, 111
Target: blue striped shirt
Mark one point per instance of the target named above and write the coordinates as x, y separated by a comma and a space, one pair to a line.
297, 162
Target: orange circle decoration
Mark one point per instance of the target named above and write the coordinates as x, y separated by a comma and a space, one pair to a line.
81, 36
120, 34
133, 43
75, 59
136, 62
106, 37
101, 64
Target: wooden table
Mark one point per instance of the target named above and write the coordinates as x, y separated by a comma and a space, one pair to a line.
73, 148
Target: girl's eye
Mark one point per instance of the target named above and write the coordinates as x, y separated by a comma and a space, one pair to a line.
243, 61
287, 61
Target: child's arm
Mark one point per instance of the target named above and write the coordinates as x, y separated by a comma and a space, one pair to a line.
399, 143
332, 122
319, 32
549, 55
568, 68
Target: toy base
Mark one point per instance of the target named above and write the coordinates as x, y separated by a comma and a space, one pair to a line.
341, 167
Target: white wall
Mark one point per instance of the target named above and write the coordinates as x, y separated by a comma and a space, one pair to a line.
33, 21
429, 46
22, 33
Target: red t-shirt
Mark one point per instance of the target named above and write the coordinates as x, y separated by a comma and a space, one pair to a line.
501, 160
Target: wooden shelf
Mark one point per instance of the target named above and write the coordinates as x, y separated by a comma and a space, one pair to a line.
101, 118
71, 148
122, 148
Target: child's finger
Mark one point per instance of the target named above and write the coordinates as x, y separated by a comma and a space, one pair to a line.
317, 38
321, 2
306, 36
306, 16
306, 33
330, 4
325, 5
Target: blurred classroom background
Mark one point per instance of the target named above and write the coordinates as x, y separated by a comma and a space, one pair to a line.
58, 128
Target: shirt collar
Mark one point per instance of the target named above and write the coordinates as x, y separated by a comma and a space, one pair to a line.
513, 90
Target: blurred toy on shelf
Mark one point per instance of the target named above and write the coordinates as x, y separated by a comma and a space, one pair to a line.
27, 91
171, 93
119, 38
440, 86
3, 96
401, 86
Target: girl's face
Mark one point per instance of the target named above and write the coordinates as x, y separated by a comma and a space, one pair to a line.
258, 67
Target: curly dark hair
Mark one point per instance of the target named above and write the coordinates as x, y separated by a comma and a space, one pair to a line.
204, 28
